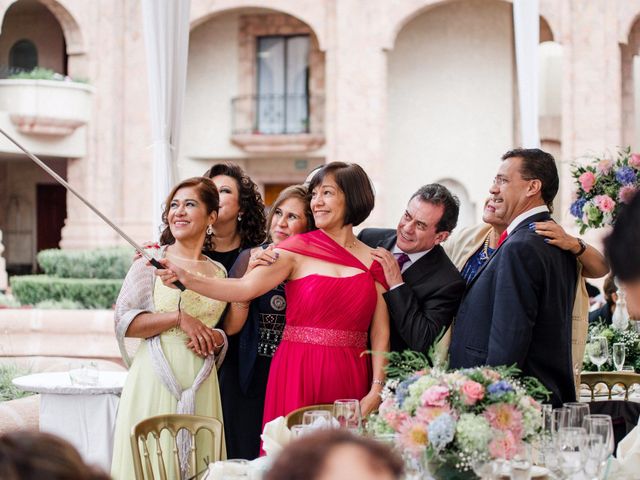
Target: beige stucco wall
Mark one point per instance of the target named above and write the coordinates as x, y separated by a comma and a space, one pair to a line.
450, 100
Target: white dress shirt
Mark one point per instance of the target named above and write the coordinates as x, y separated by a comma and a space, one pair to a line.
529, 213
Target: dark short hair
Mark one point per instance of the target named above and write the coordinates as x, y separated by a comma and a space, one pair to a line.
437, 194
609, 288
538, 165
298, 192
304, 459
208, 194
622, 247
356, 186
252, 228
31, 455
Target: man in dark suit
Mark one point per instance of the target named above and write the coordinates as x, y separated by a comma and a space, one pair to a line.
517, 309
425, 287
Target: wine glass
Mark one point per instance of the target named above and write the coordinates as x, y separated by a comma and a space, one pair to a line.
598, 351
317, 419
560, 419
577, 412
570, 440
618, 354
347, 413
601, 425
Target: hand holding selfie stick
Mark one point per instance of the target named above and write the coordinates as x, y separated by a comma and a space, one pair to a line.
64, 183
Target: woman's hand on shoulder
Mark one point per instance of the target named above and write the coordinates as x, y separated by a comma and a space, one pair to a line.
145, 246
262, 256
555, 235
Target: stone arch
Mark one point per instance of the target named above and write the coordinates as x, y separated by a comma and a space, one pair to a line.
74, 39
467, 215
310, 12
400, 18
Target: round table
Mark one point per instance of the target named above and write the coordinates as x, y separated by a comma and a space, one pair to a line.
84, 415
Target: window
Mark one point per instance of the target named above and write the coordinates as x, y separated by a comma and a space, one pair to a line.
23, 54
283, 84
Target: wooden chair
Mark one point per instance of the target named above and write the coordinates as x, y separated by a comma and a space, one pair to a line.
172, 423
295, 417
626, 379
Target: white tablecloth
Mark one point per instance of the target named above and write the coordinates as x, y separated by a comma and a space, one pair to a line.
83, 415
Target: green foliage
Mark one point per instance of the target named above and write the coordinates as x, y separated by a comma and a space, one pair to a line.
105, 263
91, 293
8, 301
8, 391
40, 73
64, 304
629, 337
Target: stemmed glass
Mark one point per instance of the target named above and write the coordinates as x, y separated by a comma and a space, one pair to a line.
601, 425
598, 349
347, 413
577, 412
618, 354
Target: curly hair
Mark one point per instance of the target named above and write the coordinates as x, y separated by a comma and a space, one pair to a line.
298, 192
252, 228
209, 196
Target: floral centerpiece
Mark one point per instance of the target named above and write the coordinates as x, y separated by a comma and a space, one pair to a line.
602, 186
448, 420
629, 337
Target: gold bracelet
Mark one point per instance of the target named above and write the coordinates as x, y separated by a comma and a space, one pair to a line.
244, 305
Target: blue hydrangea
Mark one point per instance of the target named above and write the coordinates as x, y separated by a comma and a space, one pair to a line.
577, 206
441, 431
498, 389
626, 175
403, 388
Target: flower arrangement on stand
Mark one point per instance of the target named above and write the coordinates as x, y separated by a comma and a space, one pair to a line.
449, 420
602, 186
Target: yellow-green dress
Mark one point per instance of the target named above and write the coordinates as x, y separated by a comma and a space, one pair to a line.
144, 394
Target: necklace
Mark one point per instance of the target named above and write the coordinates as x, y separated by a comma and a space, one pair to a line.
484, 253
351, 244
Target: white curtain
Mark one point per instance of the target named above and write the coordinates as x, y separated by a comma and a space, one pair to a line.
526, 25
166, 32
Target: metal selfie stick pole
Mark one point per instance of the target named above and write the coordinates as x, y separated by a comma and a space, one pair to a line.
64, 183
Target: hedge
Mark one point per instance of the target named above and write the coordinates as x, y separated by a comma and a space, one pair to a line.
104, 263
91, 293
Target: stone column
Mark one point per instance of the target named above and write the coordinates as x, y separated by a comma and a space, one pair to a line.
356, 69
591, 95
4, 281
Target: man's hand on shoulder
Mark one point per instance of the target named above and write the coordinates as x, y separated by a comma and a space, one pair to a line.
390, 266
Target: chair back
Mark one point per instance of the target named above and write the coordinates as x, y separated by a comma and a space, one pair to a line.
295, 417
626, 379
143, 450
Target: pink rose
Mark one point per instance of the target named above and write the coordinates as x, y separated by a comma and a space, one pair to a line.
634, 160
605, 203
435, 396
604, 166
504, 445
587, 180
471, 392
626, 193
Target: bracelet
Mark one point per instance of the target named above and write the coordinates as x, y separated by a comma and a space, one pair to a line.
583, 247
223, 335
244, 305
377, 382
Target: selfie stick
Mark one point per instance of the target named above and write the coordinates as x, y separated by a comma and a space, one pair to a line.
64, 183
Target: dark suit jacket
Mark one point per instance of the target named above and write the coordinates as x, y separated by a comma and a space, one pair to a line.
517, 309
426, 303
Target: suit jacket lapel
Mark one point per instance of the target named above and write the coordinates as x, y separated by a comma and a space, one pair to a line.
538, 217
389, 242
417, 270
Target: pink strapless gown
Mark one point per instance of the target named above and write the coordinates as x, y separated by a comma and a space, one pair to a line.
327, 323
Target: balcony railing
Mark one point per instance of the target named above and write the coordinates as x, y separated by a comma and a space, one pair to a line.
277, 114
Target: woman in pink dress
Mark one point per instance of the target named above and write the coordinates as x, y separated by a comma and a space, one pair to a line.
335, 309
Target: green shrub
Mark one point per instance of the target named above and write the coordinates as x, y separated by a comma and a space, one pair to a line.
99, 263
91, 293
8, 391
40, 73
8, 301
64, 304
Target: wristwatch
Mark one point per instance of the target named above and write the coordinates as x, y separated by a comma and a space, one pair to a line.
583, 247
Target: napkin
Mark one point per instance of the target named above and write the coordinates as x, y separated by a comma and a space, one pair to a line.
275, 436
625, 465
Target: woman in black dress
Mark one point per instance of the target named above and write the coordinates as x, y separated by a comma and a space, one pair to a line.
260, 324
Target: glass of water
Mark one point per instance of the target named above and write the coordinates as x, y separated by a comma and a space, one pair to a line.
520, 464
618, 353
347, 413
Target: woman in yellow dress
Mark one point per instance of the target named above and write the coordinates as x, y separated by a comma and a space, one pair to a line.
174, 367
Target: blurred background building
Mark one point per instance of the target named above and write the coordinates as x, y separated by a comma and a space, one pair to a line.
416, 91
